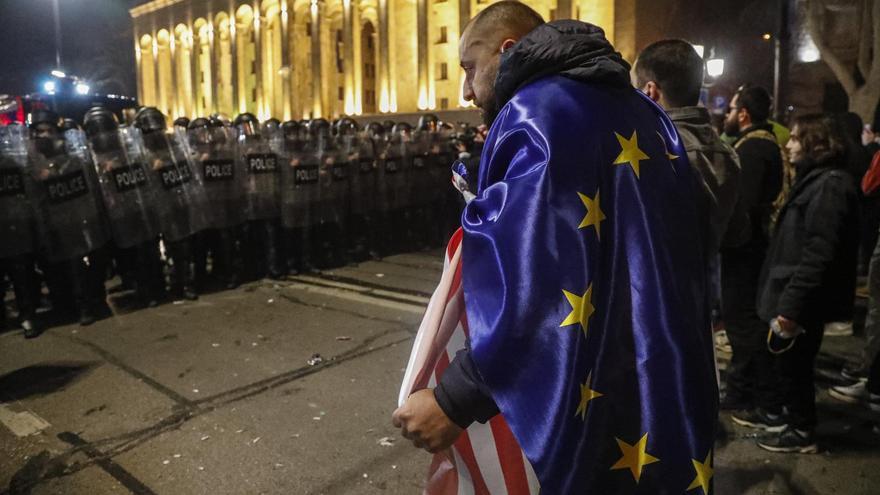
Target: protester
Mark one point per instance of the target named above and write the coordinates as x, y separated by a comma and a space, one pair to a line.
670, 72
583, 187
810, 272
749, 378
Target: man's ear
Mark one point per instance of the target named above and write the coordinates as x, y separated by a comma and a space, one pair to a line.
653, 91
506, 44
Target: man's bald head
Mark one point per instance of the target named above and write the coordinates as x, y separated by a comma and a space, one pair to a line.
505, 19
494, 30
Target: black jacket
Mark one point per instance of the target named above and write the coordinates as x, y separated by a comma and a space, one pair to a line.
571, 49
809, 275
760, 182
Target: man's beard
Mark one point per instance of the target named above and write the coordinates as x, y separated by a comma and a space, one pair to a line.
489, 111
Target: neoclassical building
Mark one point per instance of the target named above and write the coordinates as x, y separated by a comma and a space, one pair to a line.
293, 59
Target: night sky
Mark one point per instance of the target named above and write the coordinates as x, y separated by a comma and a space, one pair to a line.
96, 44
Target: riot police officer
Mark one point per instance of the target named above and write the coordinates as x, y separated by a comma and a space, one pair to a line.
180, 199
299, 195
17, 228
129, 202
213, 149
262, 186
72, 232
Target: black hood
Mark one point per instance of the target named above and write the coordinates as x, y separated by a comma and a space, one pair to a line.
571, 49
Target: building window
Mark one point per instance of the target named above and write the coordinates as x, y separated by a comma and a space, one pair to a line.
444, 103
442, 35
341, 93
443, 72
309, 29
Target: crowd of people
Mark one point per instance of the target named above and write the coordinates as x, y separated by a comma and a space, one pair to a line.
785, 221
172, 210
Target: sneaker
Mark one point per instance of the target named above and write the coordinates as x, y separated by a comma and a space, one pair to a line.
851, 394
854, 373
856, 393
791, 440
30, 329
759, 419
722, 344
839, 329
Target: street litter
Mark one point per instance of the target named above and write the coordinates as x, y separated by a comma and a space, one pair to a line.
315, 359
386, 442
343, 337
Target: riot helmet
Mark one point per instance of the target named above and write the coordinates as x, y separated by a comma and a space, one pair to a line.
182, 122
101, 125
428, 122
248, 125
45, 132
69, 124
149, 120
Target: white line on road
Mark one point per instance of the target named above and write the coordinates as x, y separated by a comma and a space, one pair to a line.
359, 294
22, 424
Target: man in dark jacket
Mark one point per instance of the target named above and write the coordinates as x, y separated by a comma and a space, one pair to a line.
670, 72
750, 388
809, 276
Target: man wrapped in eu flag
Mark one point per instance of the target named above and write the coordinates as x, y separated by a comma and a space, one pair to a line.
582, 276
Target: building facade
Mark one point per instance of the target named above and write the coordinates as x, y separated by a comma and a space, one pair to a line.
293, 59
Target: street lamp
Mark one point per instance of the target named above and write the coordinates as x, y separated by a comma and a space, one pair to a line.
82, 88
715, 67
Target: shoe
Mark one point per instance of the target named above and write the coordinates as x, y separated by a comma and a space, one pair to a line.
854, 373
791, 440
30, 329
759, 419
190, 294
86, 318
722, 344
851, 394
839, 329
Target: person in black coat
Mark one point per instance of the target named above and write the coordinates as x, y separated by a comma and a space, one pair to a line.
809, 275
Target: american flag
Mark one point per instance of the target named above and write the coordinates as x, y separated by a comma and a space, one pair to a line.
486, 459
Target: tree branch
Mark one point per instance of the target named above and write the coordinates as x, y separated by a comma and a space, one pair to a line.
815, 14
865, 37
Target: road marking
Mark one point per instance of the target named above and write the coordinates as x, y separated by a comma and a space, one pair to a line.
361, 296
22, 424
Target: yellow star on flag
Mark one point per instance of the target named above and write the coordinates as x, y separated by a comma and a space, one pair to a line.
635, 457
668, 154
594, 212
587, 394
704, 474
630, 152
581, 308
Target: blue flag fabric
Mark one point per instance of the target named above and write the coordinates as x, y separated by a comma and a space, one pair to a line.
586, 294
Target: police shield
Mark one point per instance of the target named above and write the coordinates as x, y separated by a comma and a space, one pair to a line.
323, 147
177, 187
212, 149
124, 181
300, 177
261, 179
398, 164
363, 176
68, 206
16, 214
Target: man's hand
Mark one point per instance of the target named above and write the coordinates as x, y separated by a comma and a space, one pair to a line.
789, 328
422, 420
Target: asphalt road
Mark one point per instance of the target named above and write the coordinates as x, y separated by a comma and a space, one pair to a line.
218, 396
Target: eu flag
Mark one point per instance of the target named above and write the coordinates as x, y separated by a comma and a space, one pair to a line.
585, 292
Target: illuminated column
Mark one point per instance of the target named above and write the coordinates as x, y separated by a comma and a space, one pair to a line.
138, 61
176, 79
348, 56
262, 104
286, 62
156, 77
464, 15
213, 106
385, 103
422, 35
317, 107
564, 9
233, 48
